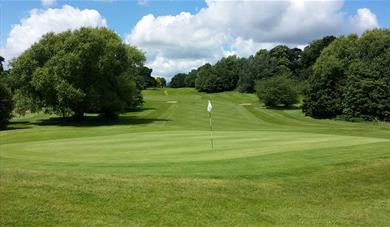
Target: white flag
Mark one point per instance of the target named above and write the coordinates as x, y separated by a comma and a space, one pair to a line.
209, 107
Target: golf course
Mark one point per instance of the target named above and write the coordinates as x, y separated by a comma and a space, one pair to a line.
156, 166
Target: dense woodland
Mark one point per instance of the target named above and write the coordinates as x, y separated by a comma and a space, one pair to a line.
91, 70
348, 76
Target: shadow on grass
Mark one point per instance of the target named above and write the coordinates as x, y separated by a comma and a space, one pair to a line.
17, 125
141, 110
90, 121
87, 121
284, 108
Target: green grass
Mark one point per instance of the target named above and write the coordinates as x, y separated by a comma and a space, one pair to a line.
156, 167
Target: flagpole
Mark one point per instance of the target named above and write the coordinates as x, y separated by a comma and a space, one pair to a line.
211, 133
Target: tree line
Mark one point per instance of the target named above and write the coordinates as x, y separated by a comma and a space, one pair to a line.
352, 78
90, 70
348, 76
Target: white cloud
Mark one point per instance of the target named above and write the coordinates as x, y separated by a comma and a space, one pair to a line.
40, 22
176, 36
247, 47
48, 3
302, 46
176, 43
163, 66
143, 2
290, 21
363, 21
184, 41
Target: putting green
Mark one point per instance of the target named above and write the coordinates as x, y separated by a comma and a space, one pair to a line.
175, 146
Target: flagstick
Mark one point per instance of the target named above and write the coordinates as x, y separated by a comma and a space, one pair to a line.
211, 133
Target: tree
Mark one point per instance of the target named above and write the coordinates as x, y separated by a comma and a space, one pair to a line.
284, 58
266, 64
247, 76
178, 80
190, 79
227, 70
1, 64
6, 106
161, 82
6, 102
324, 95
278, 90
5, 76
75, 72
206, 79
23, 104
223, 76
352, 78
310, 54
312, 51
145, 79
367, 90
258, 67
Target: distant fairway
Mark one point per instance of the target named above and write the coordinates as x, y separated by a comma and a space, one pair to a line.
156, 167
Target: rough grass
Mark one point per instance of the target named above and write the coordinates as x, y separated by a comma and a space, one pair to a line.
156, 167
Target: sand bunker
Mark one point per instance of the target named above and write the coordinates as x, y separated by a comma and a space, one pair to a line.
172, 102
245, 104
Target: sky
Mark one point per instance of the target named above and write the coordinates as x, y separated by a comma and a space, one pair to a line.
180, 35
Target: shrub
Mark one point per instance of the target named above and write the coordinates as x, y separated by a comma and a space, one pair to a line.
279, 90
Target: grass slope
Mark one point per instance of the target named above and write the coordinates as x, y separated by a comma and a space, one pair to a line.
155, 167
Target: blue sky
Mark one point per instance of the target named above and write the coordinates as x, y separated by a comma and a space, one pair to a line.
121, 15
175, 42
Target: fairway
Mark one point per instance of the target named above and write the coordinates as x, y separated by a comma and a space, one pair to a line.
156, 167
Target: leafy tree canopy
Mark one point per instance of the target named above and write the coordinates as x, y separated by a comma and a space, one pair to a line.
223, 76
178, 80
278, 90
144, 78
324, 95
206, 79
74, 72
160, 82
266, 64
258, 67
352, 78
190, 78
312, 51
